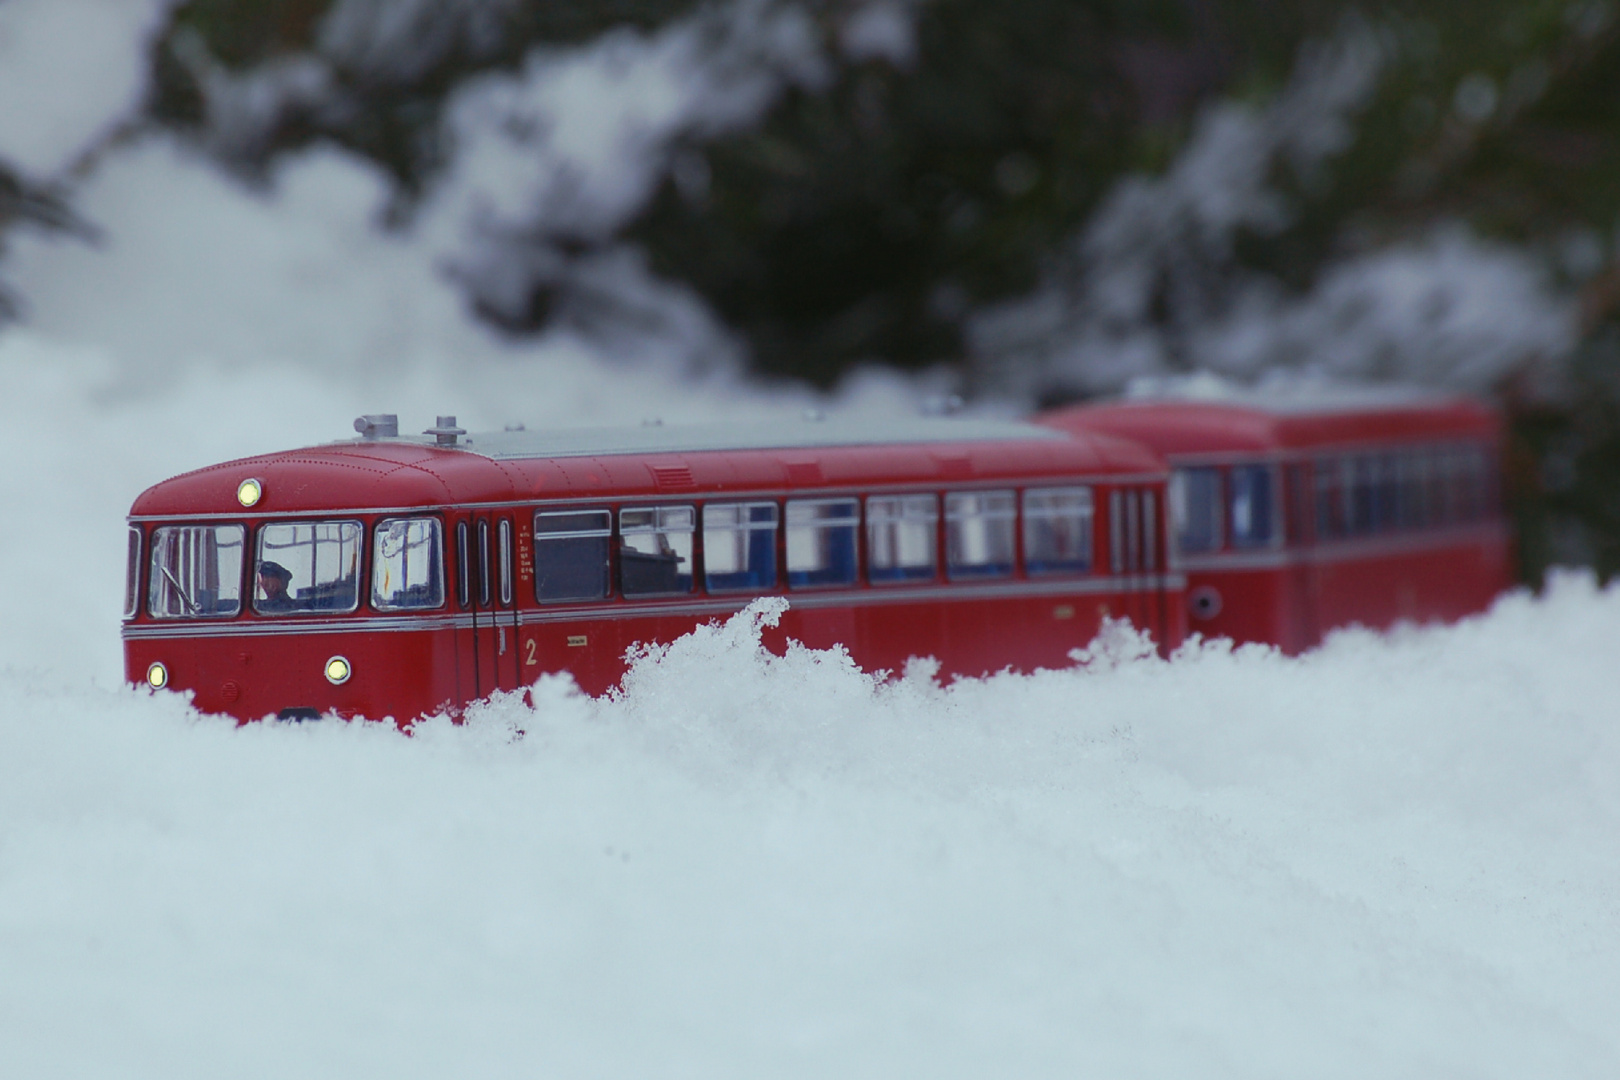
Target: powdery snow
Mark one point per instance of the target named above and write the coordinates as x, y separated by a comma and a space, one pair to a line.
1393, 857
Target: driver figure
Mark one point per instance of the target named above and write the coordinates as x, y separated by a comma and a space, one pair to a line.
273, 579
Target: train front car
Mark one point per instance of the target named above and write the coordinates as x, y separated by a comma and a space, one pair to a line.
309, 582
1298, 512
398, 577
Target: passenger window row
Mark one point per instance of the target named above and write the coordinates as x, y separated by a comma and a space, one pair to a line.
1230, 506
314, 567
1416, 488
657, 551
1237, 507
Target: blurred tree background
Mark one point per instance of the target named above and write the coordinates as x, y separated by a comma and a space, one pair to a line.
954, 158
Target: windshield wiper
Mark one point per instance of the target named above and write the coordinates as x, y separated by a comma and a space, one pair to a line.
181, 589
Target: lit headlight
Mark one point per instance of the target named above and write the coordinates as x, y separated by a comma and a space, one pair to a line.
248, 492
157, 676
337, 671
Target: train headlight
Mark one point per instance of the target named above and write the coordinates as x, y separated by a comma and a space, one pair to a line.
338, 671
249, 492
157, 676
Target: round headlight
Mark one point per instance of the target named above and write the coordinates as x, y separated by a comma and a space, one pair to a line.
249, 492
337, 671
157, 676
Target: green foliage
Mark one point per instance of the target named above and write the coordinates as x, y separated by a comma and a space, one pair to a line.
862, 223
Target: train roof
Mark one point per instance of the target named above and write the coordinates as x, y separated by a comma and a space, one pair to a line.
1282, 419
644, 462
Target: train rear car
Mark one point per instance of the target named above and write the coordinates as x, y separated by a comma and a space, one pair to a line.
1295, 513
390, 576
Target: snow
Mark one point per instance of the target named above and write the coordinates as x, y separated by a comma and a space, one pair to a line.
1394, 856
70, 72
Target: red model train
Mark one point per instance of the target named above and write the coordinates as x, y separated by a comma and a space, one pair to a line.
1299, 512
390, 576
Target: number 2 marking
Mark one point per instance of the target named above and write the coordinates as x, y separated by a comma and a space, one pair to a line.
529, 658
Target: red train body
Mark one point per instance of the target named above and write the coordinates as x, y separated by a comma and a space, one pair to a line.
1298, 514
398, 577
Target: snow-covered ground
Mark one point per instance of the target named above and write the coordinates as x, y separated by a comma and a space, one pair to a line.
1393, 857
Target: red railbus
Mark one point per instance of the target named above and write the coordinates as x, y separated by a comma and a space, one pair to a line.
1294, 513
396, 577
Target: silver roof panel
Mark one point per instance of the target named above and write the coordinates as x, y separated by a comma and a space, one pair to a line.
792, 434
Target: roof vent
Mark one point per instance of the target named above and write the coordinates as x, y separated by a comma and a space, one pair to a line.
445, 431
378, 425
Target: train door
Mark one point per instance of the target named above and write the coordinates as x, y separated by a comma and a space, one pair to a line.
1135, 535
487, 648
1300, 571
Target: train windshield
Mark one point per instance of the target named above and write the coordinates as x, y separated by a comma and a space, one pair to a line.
132, 574
196, 571
407, 567
308, 566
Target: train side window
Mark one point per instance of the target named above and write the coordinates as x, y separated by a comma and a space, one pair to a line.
571, 554
739, 546
132, 574
1057, 530
463, 565
1296, 503
483, 564
1469, 477
901, 538
308, 566
979, 533
407, 565
1452, 470
1437, 501
655, 550
1330, 498
821, 542
1362, 504
1387, 494
1411, 467
1195, 509
196, 571
1251, 498
503, 548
